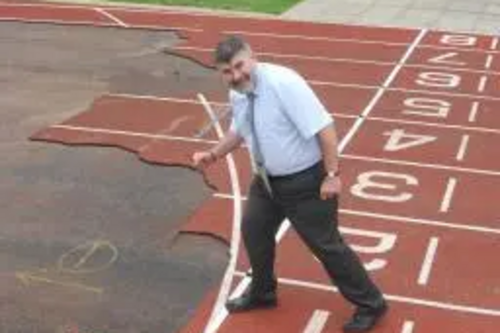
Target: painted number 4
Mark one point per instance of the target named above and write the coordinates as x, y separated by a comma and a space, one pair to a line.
400, 140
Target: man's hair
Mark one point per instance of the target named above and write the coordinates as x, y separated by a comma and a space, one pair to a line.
228, 48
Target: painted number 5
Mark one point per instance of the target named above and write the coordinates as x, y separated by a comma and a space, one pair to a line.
437, 79
383, 186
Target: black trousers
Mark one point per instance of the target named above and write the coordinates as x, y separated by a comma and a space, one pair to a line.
297, 197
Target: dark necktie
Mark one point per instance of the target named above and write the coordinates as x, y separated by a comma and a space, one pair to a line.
257, 152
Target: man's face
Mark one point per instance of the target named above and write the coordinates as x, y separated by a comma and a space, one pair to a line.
237, 74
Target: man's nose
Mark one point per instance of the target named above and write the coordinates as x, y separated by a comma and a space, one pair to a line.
236, 75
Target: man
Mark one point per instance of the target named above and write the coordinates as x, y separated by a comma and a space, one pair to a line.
293, 143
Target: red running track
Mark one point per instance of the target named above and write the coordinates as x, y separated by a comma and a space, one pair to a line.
417, 112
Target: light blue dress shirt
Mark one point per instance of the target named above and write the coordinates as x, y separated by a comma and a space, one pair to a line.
288, 115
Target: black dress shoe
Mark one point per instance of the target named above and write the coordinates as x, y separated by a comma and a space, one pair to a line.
364, 320
249, 301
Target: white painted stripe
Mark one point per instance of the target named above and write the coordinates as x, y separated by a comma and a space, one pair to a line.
130, 133
494, 43
447, 306
448, 195
422, 165
167, 99
473, 112
338, 115
62, 22
97, 24
437, 125
482, 83
462, 150
408, 327
297, 56
489, 61
430, 257
317, 322
402, 219
112, 17
430, 92
314, 38
219, 311
345, 60
354, 129
347, 156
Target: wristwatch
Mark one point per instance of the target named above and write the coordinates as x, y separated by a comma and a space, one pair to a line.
333, 174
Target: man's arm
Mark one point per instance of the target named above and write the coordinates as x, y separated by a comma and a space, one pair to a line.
331, 185
227, 144
329, 148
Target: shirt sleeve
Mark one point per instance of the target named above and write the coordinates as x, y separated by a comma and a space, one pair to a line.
301, 105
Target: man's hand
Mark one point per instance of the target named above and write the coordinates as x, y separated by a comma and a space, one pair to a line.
203, 159
331, 186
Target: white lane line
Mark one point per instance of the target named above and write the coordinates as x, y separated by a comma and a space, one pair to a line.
408, 327
473, 112
494, 44
447, 306
195, 140
489, 61
448, 195
317, 322
346, 60
55, 21
422, 165
112, 17
219, 311
462, 150
401, 219
438, 125
482, 83
297, 56
133, 134
355, 128
430, 257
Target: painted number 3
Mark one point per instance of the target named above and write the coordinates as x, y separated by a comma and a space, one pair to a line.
383, 186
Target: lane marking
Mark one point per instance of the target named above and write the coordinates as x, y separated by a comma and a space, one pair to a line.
494, 43
482, 83
111, 17
343, 155
448, 306
448, 195
62, 22
408, 327
347, 60
430, 257
489, 61
96, 24
134, 134
401, 219
473, 112
219, 312
463, 147
422, 165
437, 125
317, 322
354, 129
339, 115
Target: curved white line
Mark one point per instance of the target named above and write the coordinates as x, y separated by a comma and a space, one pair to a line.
219, 311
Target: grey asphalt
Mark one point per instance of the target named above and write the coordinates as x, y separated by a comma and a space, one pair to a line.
89, 236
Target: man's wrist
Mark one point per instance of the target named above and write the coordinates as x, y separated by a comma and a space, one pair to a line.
333, 174
213, 155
